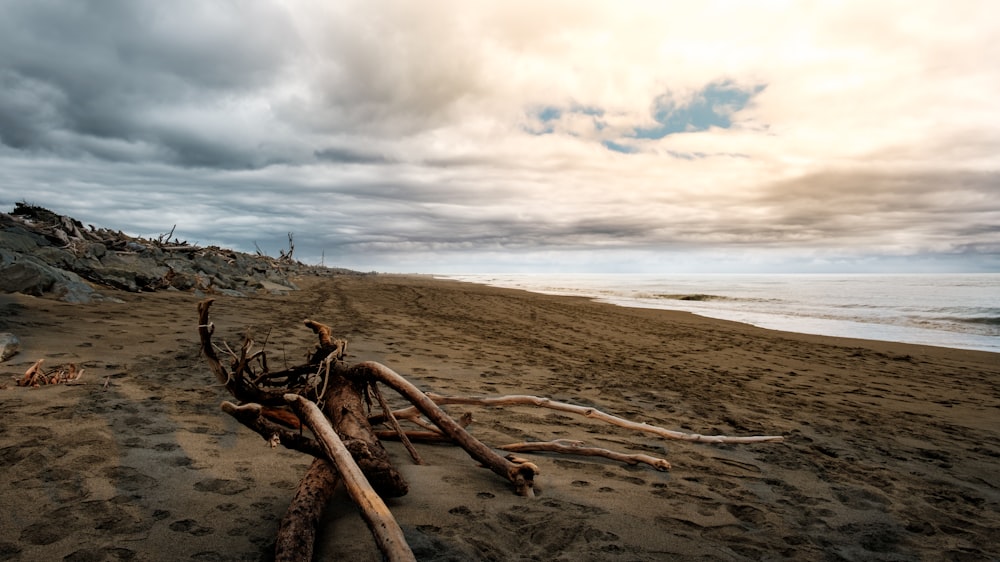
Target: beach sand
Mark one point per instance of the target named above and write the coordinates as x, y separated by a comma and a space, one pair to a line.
892, 451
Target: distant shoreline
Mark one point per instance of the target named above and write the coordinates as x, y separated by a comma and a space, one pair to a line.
718, 302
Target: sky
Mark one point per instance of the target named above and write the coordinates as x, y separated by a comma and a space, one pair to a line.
473, 136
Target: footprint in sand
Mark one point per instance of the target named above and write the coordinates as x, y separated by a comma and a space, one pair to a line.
106, 553
190, 526
222, 486
130, 479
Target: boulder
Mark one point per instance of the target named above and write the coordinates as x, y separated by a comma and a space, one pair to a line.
9, 344
31, 276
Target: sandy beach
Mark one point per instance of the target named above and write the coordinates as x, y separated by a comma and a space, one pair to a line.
891, 450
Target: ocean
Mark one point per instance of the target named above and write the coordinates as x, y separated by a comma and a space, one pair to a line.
948, 310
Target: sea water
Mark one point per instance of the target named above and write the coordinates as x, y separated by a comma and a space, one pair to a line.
949, 310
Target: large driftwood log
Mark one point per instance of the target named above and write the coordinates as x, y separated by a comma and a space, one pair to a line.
344, 405
376, 514
332, 397
297, 533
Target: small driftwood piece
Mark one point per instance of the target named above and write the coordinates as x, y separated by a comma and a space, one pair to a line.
63, 374
568, 446
31, 375
376, 514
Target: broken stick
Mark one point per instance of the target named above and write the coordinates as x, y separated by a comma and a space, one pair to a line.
594, 413
572, 447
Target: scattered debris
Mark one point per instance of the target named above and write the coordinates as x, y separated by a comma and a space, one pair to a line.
63, 374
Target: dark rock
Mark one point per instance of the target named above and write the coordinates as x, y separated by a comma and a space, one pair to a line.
31, 276
27, 276
96, 250
19, 240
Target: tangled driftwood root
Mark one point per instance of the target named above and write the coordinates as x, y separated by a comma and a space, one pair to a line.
36, 376
333, 399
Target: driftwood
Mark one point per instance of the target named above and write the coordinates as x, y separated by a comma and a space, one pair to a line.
577, 448
333, 399
586, 411
520, 474
376, 514
63, 374
297, 532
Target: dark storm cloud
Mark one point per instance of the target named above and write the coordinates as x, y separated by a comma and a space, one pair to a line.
340, 155
914, 208
128, 80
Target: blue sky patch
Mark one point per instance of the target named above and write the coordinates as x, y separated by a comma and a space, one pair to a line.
711, 107
618, 147
549, 113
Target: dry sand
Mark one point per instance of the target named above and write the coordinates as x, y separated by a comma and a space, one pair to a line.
892, 450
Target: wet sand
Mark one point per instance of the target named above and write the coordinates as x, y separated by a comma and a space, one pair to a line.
892, 451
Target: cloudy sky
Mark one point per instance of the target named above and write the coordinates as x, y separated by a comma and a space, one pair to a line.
499, 136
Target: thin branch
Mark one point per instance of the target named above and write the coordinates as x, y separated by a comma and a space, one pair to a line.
522, 475
395, 424
571, 447
586, 411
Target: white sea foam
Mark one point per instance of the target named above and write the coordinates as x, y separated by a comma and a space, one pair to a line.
950, 310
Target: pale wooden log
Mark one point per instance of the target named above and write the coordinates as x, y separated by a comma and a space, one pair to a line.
297, 533
383, 526
571, 447
188, 249
521, 475
586, 411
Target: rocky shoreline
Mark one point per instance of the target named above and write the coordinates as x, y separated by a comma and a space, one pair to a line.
45, 254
